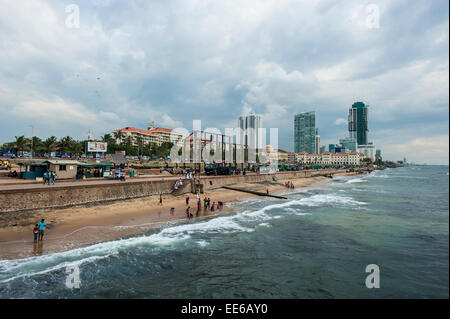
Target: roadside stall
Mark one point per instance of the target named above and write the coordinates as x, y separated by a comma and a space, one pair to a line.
32, 169
89, 170
64, 169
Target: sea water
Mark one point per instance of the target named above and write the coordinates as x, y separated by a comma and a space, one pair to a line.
316, 244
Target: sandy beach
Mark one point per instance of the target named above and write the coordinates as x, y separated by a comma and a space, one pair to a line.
81, 226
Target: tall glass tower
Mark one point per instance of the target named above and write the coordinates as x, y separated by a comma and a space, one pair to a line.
358, 124
250, 126
305, 132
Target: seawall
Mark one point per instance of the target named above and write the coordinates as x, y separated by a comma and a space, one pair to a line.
44, 197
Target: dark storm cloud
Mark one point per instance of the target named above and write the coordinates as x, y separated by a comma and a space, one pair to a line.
174, 61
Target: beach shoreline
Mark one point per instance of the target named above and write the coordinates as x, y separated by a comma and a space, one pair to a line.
81, 226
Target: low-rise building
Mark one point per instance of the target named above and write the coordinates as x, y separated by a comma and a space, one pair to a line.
328, 158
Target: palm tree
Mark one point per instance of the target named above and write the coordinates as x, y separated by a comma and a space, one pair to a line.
65, 143
22, 143
129, 141
118, 137
50, 145
76, 148
36, 143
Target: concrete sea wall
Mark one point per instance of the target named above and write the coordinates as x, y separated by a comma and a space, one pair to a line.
66, 196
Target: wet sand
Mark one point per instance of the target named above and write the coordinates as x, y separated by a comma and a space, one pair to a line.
81, 226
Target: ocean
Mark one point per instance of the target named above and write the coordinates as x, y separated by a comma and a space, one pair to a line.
316, 244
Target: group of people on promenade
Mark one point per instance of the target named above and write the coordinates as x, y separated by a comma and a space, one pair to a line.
289, 184
38, 230
49, 177
178, 184
206, 206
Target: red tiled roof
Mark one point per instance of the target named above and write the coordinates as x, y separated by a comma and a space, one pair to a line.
163, 130
340, 154
136, 130
303, 153
327, 153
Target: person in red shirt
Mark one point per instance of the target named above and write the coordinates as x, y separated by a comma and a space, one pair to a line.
36, 232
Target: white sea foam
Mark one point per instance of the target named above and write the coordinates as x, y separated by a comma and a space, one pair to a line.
355, 180
329, 199
166, 237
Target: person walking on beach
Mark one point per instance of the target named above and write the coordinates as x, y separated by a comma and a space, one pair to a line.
172, 210
160, 199
199, 207
213, 205
187, 199
205, 203
36, 232
42, 225
209, 203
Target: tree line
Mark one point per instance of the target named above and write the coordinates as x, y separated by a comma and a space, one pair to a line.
74, 147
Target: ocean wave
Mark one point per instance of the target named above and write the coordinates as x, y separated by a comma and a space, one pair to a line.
355, 180
167, 237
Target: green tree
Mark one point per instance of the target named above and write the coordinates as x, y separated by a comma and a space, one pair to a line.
22, 143
50, 145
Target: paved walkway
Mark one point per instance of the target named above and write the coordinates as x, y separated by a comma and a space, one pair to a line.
104, 181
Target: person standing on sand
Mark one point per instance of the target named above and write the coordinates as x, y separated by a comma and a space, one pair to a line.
187, 199
36, 232
172, 210
160, 199
188, 213
199, 207
42, 225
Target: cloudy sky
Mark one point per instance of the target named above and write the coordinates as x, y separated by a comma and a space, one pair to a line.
133, 62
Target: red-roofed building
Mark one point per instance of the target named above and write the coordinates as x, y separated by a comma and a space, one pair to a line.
156, 136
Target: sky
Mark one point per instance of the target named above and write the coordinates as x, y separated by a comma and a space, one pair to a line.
128, 63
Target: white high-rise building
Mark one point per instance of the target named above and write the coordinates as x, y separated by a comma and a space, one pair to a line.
250, 126
317, 144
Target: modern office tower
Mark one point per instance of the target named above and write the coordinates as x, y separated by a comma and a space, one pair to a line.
368, 149
305, 132
348, 143
250, 126
378, 153
331, 148
317, 141
323, 149
358, 123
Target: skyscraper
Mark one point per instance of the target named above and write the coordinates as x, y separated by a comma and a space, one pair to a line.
317, 141
305, 132
250, 126
358, 123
